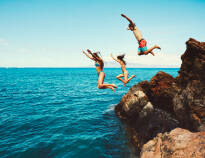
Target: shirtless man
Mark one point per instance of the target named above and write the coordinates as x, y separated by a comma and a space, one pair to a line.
142, 49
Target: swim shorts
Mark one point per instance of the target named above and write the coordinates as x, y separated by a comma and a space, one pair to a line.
142, 45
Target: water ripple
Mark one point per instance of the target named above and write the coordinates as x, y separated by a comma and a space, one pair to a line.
60, 113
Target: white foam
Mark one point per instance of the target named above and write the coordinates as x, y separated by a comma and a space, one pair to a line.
110, 108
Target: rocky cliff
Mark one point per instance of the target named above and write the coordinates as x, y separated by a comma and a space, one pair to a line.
178, 143
189, 102
165, 103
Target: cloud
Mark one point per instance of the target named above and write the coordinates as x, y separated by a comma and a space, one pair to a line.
159, 60
4, 42
24, 50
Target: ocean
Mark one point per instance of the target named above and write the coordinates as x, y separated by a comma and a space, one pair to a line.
61, 113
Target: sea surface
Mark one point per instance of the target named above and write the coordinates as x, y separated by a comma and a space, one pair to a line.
61, 113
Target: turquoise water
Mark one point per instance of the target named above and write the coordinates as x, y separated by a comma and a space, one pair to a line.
60, 113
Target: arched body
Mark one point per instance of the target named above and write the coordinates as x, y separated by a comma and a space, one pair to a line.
99, 63
142, 49
125, 73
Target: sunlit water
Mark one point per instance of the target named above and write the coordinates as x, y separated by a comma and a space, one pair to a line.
60, 113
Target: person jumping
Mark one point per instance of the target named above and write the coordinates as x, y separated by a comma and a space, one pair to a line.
142, 49
120, 59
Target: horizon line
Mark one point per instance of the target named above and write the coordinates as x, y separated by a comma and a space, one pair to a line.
10, 67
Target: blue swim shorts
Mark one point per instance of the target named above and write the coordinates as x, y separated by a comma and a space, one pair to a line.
142, 49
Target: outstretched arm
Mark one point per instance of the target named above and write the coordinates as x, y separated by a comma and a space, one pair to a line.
131, 22
89, 51
94, 57
114, 58
88, 55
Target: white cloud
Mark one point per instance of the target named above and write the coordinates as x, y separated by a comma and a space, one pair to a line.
24, 50
4, 42
159, 60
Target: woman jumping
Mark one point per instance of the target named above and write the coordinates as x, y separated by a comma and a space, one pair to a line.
99, 63
124, 74
142, 49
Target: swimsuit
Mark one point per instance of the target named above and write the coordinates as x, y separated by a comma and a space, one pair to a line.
142, 45
98, 65
99, 72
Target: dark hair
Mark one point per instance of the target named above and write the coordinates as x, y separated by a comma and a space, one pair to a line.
96, 55
132, 25
121, 57
98, 58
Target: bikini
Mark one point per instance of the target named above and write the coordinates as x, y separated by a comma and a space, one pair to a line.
98, 65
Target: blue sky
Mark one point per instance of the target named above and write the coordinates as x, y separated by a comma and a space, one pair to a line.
53, 33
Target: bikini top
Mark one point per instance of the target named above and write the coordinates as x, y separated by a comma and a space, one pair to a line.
97, 65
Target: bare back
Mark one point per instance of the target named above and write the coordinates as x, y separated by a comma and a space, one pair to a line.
123, 67
137, 33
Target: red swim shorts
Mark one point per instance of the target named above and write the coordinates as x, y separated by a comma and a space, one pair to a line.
142, 43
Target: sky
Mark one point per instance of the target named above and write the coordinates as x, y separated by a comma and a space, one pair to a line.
53, 33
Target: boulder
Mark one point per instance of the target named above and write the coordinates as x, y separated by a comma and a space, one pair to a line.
165, 102
178, 143
135, 103
189, 102
144, 119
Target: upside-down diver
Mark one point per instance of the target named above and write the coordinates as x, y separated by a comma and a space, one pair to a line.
142, 49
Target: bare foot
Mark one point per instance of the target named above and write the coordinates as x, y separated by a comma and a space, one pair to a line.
133, 76
114, 85
113, 89
152, 53
156, 46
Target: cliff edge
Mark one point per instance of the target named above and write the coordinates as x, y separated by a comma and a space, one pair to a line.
165, 103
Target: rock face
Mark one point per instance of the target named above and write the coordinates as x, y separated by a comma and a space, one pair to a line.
189, 103
148, 108
166, 102
178, 143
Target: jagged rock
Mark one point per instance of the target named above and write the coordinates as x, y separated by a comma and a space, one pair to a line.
163, 88
134, 104
143, 129
145, 96
193, 63
144, 119
189, 102
165, 102
178, 143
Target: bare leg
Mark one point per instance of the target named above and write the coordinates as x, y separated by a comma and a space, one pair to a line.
119, 77
101, 85
113, 89
152, 53
151, 49
121, 80
126, 78
131, 78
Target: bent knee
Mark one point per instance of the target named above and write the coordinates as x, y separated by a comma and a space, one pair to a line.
100, 86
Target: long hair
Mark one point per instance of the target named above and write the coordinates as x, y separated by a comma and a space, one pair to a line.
121, 57
98, 58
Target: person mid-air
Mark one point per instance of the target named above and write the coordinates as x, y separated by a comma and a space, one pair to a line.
120, 59
99, 63
142, 49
